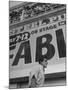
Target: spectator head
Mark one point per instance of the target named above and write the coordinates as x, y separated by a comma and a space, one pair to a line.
43, 62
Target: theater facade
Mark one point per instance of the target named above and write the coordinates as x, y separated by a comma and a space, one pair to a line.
36, 31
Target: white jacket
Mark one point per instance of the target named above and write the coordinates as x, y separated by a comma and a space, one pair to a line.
38, 72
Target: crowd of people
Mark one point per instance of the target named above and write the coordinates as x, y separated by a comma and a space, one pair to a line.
30, 11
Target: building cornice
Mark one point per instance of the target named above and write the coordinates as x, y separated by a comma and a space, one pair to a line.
33, 19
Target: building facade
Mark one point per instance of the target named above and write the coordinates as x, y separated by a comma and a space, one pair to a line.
36, 31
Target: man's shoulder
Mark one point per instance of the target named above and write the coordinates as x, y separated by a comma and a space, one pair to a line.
36, 67
39, 66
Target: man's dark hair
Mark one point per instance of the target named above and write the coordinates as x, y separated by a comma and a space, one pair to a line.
41, 60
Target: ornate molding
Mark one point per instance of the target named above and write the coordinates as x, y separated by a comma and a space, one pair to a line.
30, 10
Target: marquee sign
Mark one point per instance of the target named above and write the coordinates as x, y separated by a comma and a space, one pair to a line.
46, 41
